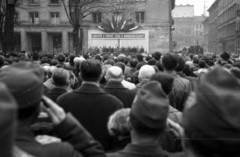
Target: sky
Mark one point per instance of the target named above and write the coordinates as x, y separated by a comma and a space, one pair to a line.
198, 5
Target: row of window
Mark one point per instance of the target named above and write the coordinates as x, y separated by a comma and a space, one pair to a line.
227, 15
73, 1
96, 17
227, 31
34, 17
37, 1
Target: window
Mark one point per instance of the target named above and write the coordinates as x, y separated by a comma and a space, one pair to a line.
140, 17
34, 1
97, 17
54, 1
55, 18
34, 18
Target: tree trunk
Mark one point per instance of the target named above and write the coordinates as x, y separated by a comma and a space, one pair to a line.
8, 35
76, 40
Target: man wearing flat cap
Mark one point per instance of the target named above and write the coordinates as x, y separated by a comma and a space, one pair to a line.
25, 82
147, 123
211, 118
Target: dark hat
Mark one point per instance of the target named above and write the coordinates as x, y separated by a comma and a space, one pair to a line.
25, 82
152, 62
148, 58
211, 118
8, 110
202, 64
225, 56
151, 106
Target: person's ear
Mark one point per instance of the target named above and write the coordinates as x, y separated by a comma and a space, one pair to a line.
129, 125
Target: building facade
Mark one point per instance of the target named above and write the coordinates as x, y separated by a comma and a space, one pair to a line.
43, 26
227, 18
188, 28
205, 34
238, 29
213, 27
223, 26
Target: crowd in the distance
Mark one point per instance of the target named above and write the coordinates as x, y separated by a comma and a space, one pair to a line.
158, 105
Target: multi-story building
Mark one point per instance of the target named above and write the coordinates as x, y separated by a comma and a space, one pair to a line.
43, 26
188, 28
227, 25
213, 27
238, 29
223, 26
205, 34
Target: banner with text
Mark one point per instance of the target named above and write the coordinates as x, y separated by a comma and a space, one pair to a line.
118, 36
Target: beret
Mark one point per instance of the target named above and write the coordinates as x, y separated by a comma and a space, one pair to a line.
151, 106
25, 82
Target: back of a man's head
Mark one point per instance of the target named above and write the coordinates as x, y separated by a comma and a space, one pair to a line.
61, 58
121, 58
165, 80
157, 55
202, 64
25, 82
91, 70
140, 58
114, 73
120, 65
60, 77
133, 63
146, 72
181, 64
110, 62
169, 61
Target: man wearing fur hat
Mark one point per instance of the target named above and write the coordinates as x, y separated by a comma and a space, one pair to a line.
25, 82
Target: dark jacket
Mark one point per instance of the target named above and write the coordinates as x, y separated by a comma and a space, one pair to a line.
133, 150
181, 90
194, 81
55, 93
92, 107
78, 142
125, 95
121, 145
139, 85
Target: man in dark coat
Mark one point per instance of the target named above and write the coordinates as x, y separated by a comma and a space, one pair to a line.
25, 82
90, 104
179, 71
114, 86
60, 79
147, 123
181, 86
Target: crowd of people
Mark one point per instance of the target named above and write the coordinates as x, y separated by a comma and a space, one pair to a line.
158, 105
